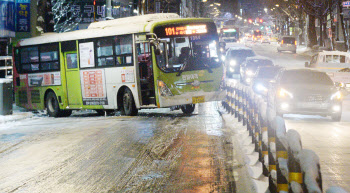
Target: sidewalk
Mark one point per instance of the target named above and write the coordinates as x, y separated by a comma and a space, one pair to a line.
17, 114
305, 51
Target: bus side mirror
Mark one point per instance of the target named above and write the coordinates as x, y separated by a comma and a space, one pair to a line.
307, 65
157, 51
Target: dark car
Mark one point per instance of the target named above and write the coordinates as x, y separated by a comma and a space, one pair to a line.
263, 76
251, 64
235, 56
304, 91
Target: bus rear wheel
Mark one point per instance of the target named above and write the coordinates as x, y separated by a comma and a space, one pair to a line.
188, 109
53, 109
129, 107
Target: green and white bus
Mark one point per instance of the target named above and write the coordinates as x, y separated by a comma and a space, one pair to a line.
127, 64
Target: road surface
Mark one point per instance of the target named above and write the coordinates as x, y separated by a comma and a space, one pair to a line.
158, 151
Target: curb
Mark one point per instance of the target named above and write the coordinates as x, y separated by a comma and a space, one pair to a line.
15, 117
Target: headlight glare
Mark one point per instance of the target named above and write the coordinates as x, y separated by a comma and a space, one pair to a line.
336, 95
233, 63
261, 87
249, 73
283, 93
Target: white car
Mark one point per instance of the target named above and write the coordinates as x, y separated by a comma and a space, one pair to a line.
288, 43
265, 39
335, 63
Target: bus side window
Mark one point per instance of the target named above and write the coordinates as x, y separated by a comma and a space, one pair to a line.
123, 50
105, 52
72, 61
342, 59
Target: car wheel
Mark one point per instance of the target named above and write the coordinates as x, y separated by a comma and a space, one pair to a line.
336, 117
129, 107
188, 109
53, 109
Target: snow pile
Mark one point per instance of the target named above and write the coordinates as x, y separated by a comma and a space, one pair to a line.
310, 165
294, 141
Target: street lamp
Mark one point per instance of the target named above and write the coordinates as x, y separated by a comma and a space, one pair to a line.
277, 5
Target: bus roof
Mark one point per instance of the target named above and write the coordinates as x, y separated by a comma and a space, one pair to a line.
127, 25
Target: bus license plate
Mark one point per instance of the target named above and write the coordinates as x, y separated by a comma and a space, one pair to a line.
198, 99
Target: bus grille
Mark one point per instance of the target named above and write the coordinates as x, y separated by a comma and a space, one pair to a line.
23, 97
35, 94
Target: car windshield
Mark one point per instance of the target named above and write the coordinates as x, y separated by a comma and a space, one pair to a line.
242, 53
268, 73
255, 63
306, 77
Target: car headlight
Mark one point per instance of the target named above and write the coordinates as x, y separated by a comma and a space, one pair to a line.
336, 95
261, 87
223, 58
163, 89
233, 63
283, 93
249, 73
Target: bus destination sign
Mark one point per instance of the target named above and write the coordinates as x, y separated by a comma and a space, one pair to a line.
186, 30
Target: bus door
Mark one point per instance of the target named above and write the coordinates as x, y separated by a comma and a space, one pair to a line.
73, 79
146, 75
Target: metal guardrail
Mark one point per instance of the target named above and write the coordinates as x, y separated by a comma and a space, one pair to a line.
288, 166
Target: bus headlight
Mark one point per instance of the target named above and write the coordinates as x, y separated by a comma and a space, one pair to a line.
223, 58
336, 96
163, 89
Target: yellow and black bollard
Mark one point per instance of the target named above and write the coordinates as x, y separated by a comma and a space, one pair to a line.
271, 153
240, 104
236, 101
295, 173
281, 154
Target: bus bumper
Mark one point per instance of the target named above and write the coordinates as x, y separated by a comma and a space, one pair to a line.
191, 98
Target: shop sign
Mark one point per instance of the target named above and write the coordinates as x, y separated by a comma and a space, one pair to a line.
7, 18
23, 15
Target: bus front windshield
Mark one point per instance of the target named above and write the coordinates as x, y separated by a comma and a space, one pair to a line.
189, 53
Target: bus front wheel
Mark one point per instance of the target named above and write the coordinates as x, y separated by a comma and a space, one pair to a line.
129, 107
188, 109
53, 109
